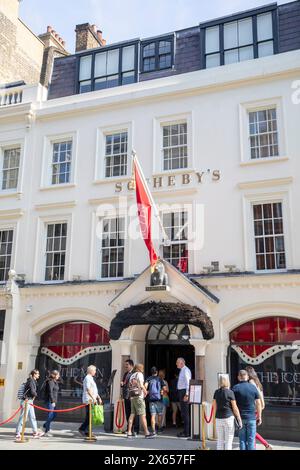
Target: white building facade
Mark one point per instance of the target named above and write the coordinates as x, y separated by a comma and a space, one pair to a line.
221, 151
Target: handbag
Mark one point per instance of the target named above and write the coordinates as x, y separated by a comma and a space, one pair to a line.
237, 425
97, 415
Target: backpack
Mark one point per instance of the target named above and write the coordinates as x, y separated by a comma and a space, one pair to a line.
155, 389
21, 391
134, 387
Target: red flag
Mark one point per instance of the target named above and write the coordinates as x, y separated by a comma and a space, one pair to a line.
145, 206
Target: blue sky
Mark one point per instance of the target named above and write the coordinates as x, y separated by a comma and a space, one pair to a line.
126, 19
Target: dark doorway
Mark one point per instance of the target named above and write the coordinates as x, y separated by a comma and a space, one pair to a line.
164, 356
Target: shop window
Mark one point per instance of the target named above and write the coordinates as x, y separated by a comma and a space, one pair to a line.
71, 348
270, 345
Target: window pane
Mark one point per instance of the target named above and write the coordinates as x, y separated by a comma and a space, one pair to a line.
246, 53
149, 50
85, 68
264, 27
112, 81
212, 40
212, 60
100, 83
128, 58
164, 47
100, 64
113, 62
245, 32
230, 35
85, 87
265, 49
231, 56
128, 77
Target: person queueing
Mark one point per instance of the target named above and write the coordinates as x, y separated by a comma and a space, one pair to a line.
175, 405
165, 398
183, 387
90, 394
30, 394
125, 394
155, 386
253, 379
138, 393
249, 405
51, 396
225, 407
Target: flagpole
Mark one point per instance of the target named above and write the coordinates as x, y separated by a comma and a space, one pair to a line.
156, 213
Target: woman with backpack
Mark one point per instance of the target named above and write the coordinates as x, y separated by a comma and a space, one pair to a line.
137, 394
29, 393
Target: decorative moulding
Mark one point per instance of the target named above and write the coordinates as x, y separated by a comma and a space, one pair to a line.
55, 205
266, 183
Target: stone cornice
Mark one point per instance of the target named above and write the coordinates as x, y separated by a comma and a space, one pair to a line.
266, 183
11, 214
72, 290
55, 205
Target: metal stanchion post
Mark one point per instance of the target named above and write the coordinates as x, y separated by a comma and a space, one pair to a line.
203, 429
24, 439
214, 427
90, 438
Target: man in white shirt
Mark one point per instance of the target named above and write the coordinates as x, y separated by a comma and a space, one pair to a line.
90, 393
183, 387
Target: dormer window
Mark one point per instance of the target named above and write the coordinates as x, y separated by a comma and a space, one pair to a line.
247, 37
157, 54
108, 68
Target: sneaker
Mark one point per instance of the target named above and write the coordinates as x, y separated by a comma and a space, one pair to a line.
150, 436
18, 437
37, 435
48, 434
129, 436
82, 433
160, 430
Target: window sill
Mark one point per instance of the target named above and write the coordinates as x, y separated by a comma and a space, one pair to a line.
8, 194
179, 171
261, 161
58, 186
113, 179
271, 271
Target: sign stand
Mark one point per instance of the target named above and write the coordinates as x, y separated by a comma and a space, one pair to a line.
195, 400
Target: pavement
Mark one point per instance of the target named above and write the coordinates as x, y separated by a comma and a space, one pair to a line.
66, 437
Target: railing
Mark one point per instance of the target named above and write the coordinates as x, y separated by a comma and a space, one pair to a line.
9, 97
22, 94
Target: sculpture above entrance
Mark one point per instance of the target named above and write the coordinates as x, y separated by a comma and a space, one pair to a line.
154, 313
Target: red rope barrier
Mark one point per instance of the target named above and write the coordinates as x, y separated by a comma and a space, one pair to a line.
208, 421
117, 422
58, 411
11, 418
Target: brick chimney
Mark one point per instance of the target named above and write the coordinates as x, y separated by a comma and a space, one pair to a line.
88, 37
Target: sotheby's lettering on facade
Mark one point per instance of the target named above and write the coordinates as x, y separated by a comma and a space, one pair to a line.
215, 136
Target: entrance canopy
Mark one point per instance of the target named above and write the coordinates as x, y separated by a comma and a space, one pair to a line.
160, 313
